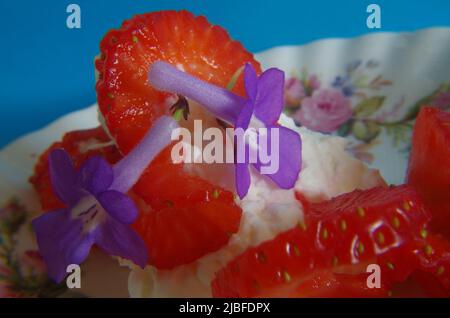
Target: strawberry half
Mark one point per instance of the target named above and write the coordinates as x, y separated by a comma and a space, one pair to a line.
334, 245
127, 102
433, 256
429, 165
183, 216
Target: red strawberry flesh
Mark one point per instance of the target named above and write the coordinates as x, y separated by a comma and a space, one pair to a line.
429, 165
340, 236
127, 102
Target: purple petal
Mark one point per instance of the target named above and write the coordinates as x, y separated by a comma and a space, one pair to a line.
96, 175
119, 206
218, 100
242, 176
270, 97
290, 157
119, 239
64, 177
250, 81
61, 241
245, 116
128, 170
78, 248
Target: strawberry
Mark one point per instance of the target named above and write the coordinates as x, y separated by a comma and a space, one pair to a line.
429, 165
127, 102
80, 144
188, 217
433, 255
428, 267
183, 216
334, 245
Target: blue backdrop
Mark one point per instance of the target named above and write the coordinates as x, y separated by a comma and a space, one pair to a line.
47, 69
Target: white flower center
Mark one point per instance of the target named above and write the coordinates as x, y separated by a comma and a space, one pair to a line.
90, 212
255, 127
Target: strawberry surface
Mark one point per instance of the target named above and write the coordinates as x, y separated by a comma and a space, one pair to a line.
333, 247
433, 256
187, 217
127, 102
429, 165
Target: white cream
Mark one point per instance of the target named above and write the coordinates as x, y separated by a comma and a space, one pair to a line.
328, 170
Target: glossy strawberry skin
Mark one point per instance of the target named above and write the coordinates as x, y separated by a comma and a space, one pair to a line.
126, 100
429, 165
341, 236
185, 216
433, 256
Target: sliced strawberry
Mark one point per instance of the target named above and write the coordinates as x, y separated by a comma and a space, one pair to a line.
326, 284
126, 100
183, 216
339, 237
429, 257
433, 254
429, 165
80, 144
188, 216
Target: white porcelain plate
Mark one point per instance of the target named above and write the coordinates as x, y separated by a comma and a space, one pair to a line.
386, 78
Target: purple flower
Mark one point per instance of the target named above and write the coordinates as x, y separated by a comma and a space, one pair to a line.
344, 84
294, 92
98, 210
324, 111
348, 90
261, 109
339, 81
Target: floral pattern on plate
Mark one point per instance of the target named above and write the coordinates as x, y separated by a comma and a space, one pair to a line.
22, 270
353, 105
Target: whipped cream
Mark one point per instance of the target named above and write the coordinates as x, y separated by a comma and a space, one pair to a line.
328, 170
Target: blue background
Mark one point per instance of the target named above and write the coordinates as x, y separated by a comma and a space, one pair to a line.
47, 69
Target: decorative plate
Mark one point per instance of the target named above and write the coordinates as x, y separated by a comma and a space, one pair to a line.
384, 77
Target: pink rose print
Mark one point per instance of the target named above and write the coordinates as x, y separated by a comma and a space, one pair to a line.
296, 89
294, 92
314, 82
324, 111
